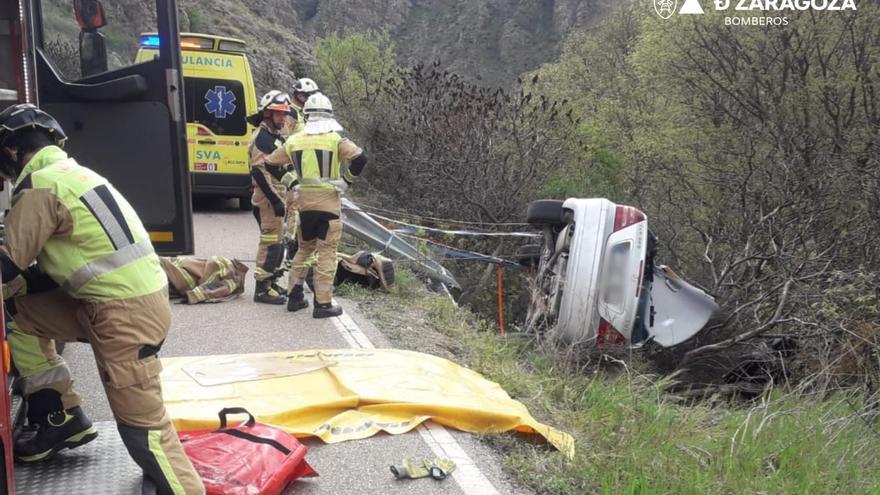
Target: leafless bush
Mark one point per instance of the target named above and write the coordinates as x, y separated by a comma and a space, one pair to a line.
780, 208
448, 148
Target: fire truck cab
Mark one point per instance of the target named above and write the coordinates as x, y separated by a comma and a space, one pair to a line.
127, 123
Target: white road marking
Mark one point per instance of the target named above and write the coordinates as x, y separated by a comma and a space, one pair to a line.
467, 474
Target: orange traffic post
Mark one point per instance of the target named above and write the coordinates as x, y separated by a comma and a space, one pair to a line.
500, 300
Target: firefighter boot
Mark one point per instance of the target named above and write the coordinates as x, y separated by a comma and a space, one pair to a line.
66, 429
296, 300
277, 288
326, 310
265, 293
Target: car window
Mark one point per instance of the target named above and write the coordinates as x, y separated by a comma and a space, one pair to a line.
615, 276
218, 104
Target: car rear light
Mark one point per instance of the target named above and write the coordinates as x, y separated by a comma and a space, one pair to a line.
624, 216
608, 336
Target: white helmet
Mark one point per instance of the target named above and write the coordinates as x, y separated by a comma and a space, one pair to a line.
305, 85
319, 115
275, 100
318, 103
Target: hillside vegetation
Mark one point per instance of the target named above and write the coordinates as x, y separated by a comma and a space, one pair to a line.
488, 40
754, 153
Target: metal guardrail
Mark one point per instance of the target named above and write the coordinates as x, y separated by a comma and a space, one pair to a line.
364, 227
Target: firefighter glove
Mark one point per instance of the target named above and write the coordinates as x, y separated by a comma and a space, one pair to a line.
440, 467
340, 184
410, 468
289, 180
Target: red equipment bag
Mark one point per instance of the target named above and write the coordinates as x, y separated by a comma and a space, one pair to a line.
248, 459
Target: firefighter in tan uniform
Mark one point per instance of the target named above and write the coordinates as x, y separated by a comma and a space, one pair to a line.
270, 193
108, 290
317, 154
302, 90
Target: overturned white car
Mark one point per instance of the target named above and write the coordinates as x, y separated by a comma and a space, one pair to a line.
597, 280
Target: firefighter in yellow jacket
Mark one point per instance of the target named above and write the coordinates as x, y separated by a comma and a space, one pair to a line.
270, 195
317, 154
302, 90
108, 290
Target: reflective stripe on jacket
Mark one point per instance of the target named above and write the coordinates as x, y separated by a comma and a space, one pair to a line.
82, 231
315, 159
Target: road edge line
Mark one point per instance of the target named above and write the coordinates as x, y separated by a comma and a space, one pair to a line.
467, 474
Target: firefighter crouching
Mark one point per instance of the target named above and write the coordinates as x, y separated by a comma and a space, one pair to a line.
105, 287
270, 194
317, 154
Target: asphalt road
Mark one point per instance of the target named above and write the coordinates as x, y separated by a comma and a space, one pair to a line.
241, 326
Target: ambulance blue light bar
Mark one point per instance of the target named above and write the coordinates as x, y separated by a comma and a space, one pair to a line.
150, 41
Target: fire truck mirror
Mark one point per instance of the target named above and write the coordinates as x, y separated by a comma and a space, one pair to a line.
89, 14
92, 53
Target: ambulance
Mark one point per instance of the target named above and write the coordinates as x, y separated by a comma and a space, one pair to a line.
219, 94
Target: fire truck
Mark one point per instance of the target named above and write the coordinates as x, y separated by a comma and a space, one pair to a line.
125, 121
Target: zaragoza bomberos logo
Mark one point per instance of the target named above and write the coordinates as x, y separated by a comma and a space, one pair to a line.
665, 8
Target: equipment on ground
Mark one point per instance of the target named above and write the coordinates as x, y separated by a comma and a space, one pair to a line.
248, 459
438, 468
198, 280
364, 392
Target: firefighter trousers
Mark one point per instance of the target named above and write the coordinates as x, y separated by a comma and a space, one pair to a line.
125, 336
270, 252
320, 229
292, 214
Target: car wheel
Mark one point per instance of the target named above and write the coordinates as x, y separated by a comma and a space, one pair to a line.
530, 254
244, 203
545, 212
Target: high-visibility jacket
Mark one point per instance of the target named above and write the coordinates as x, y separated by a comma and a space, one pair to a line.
300, 120
315, 159
82, 231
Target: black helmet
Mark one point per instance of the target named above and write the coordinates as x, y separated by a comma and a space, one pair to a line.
18, 118
25, 115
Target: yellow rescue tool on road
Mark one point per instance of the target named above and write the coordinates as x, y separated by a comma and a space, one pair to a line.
219, 94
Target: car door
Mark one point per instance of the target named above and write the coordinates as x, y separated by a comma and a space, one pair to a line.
126, 122
678, 309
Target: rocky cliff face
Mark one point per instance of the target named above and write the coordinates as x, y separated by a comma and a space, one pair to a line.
488, 40
491, 40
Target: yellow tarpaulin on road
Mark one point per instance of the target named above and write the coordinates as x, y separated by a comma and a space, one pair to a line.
344, 394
